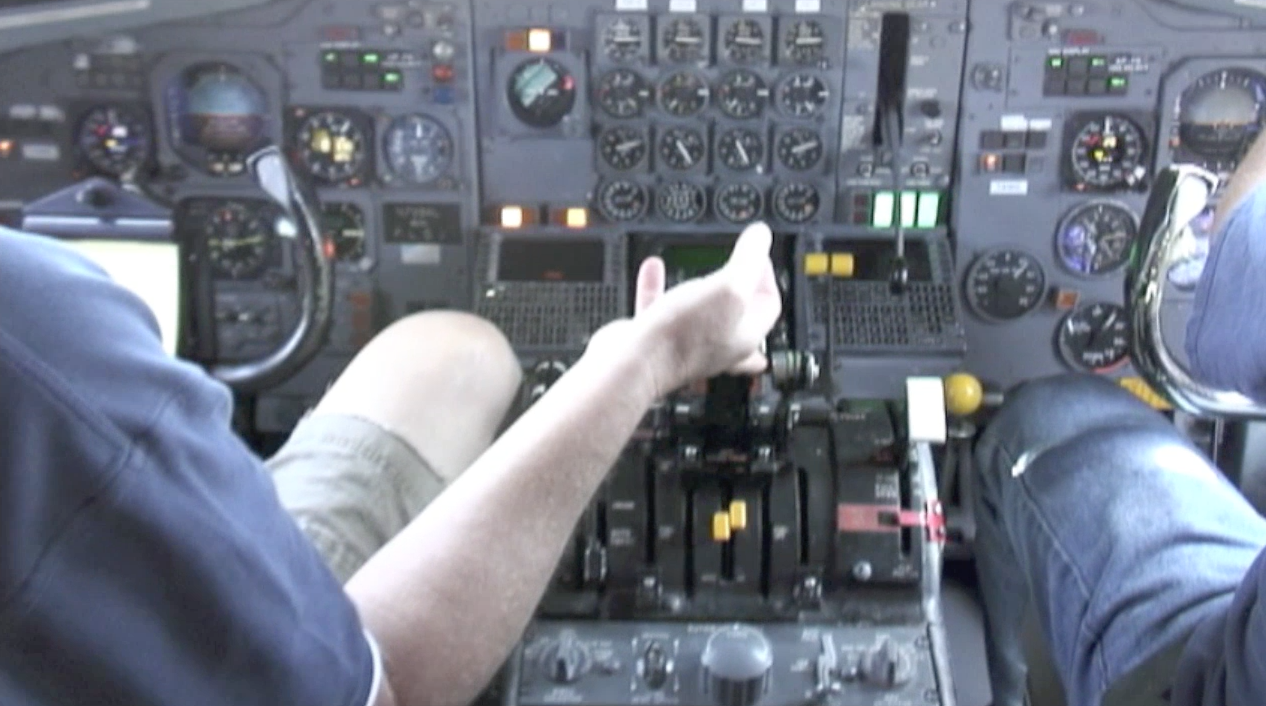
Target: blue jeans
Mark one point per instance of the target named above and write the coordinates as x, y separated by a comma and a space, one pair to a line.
1124, 537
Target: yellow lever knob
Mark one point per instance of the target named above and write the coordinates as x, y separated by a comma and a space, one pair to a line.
963, 394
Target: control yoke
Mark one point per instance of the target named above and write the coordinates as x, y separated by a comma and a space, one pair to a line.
315, 277
1181, 192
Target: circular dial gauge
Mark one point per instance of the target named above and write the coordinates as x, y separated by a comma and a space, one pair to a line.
800, 149
683, 93
1096, 238
1095, 337
684, 40
622, 40
739, 203
805, 42
744, 41
803, 95
239, 241
682, 148
1220, 114
541, 92
796, 202
332, 147
623, 93
622, 201
1108, 153
742, 94
343, 226
115, 140
1192, 252
741, 149
1005, 285
223, 114
681, 201
418, 149
622, 147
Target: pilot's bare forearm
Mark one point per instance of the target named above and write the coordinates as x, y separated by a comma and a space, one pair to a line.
1251, 172
448, 596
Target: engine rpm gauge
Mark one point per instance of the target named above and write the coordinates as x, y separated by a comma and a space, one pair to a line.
1004, 285
623, 93
683, 93
239, 241
684, 40
115, 139
741, 149
682, 148
742, 94
332, 147
739, 203
1220, 114
796, 202
805, 42
418, 149
800, 149
622, 148
1095, 337
744, 41
1108, 152
621, 200
803, 95
681, 201
1096, 238
343, 226
541, 92
622, 39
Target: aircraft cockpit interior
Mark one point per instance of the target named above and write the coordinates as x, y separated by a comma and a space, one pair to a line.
965, 195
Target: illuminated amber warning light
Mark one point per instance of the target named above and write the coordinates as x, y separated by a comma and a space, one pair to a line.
540, 41
6, 148
577, 218
511, 217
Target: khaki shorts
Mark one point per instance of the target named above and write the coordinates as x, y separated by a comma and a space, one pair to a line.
351, 486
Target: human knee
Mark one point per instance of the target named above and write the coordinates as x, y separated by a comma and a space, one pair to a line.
452, 343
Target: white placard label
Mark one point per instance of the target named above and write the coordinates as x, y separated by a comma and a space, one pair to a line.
630, 5
808, 7
756, 6
1041, 124
1009, 187
682, 6
1015, 123
420, 254
925, 405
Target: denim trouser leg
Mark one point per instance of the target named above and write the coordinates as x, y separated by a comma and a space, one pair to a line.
1127, 537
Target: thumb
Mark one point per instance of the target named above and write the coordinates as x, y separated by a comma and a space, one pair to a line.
751, 252
650, 283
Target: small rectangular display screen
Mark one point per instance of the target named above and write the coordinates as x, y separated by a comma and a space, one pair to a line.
423, 223
683, 262
872, 259
569, 260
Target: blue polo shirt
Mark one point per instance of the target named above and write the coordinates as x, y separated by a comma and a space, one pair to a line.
144, 557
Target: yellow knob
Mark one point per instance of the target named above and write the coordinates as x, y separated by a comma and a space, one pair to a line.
963, 394
721, 531
738, 515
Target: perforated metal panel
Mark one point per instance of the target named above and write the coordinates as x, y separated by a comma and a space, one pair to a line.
868, 316
549, 315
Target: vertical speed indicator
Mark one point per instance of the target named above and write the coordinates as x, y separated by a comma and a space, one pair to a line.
1004, 285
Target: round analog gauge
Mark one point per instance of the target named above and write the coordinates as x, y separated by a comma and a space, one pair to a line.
1095, 337
343, 225
684, 40
741, 150
332, 148
681, 201
744, 41
742, 94
1192, 252
1220, 114
803, 95
115, 140
1109, 153
622, 148
622, 41
222, 116
682, 148
418, 149
239, 241
796, 202
1005, 285
1096, 238
739, 203
541, 92
622, 201
800, 149
623, 93
805, 42
683, 93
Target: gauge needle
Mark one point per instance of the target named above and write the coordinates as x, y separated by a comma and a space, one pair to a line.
805, 147
747, 159
628, 145
688, 40
685, 153
806, 41
748, 41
